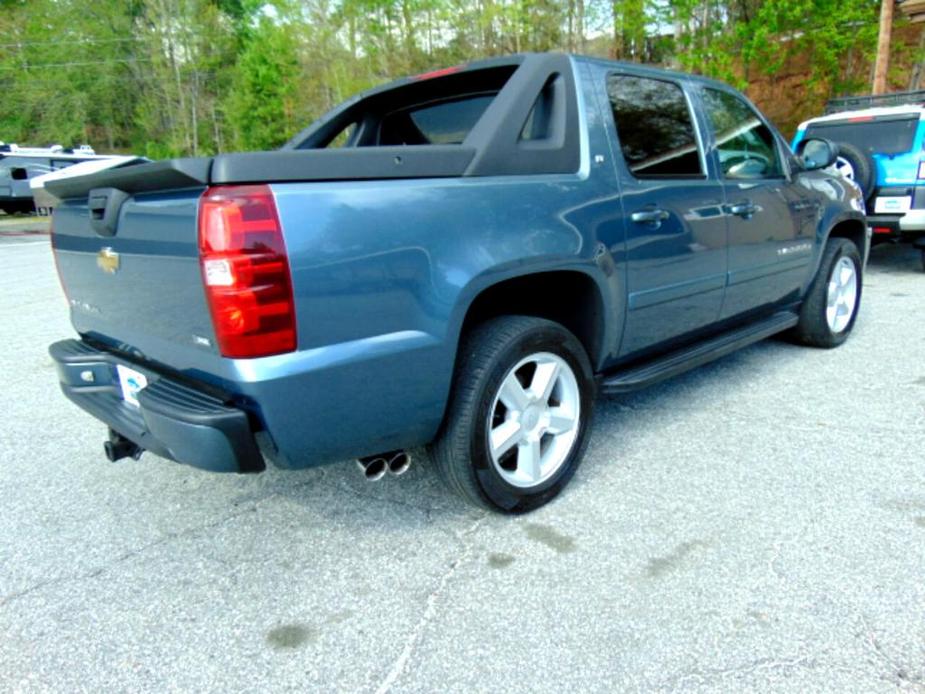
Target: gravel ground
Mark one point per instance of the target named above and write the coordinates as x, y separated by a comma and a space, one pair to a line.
758, 524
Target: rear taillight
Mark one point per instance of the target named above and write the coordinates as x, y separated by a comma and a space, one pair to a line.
246, 272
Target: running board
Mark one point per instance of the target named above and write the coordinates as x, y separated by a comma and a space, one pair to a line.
702, 353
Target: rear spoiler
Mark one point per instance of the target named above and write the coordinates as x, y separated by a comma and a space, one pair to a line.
364, 163
137, 178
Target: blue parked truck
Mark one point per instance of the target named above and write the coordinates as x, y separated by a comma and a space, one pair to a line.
459, 260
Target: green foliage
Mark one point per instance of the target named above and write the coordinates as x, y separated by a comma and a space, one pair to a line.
180, 77
260, 106
733, 42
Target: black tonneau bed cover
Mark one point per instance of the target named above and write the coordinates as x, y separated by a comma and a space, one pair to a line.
279, 166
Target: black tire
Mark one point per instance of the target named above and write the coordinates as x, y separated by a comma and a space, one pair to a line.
863, 169
813, 328
487, 355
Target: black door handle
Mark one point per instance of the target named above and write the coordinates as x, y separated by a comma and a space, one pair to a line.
651, 216
743, 209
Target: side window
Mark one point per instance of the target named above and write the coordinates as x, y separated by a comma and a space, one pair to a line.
745, 145
655, 127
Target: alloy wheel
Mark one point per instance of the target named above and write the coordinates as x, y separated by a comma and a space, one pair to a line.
842, 295
534, 420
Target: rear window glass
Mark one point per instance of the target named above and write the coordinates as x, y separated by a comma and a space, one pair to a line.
439, 108
881, 136
445, 123
655, 127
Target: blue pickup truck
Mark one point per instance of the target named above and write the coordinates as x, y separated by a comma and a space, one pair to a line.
460, 260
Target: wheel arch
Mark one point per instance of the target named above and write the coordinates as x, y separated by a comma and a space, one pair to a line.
852, 229
570, 297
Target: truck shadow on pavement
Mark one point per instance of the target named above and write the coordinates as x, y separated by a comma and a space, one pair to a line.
894, 258
419, 495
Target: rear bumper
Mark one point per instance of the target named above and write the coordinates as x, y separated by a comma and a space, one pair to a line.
887, 227
913, 220
900, 221
172, 420
884, 226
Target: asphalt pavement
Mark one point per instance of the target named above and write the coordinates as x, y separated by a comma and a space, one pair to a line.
755, 525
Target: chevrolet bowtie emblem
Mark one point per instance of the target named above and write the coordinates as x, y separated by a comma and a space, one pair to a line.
107, 260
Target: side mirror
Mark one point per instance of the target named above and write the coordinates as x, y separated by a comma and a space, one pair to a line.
817, 153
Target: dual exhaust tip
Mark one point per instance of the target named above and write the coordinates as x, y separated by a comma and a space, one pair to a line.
375, 467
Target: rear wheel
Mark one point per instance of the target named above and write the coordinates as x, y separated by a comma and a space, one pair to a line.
831, 305
517, 424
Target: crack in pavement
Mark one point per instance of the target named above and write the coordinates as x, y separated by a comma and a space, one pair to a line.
125, 556
138, 551
428, 511
192, 531
899, 671
762, 664
398, 666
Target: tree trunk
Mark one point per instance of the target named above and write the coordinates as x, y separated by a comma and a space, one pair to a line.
915, 78
570, 26
408, 26
883, 47
618, 29
580, 27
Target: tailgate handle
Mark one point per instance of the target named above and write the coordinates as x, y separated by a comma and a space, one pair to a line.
104, 205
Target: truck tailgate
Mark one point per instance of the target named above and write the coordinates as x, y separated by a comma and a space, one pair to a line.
141, 288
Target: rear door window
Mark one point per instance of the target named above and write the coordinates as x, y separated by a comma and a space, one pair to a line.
746, 146
655, 127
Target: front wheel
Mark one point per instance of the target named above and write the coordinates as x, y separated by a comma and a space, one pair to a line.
517, 424
831, 305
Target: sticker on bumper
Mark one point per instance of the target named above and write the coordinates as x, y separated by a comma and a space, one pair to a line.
132, 382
